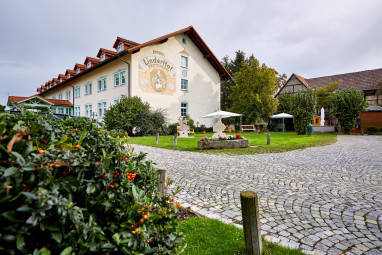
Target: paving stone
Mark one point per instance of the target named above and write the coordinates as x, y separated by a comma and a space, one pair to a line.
325, 198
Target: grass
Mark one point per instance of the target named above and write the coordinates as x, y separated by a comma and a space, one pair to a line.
280, 142
209, 236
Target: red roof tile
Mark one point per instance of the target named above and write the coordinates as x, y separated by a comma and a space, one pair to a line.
107, 52
127, 43
56, 102
94, 61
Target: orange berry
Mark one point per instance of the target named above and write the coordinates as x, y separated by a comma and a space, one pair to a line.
145, 217
56, 165
77, 146
111, 186
40, 151
75, 129
142, 220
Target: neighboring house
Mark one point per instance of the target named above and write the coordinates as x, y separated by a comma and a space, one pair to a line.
39, 103
364, 80
176, 72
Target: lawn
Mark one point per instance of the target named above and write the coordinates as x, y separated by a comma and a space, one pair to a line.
280, 142
209, 236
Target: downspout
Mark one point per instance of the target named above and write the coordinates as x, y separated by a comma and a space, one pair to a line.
128, 78
73, 98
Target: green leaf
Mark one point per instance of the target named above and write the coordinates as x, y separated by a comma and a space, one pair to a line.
108, 246
28, 149
10, 171
67, 251
63, 139
134, 192
91, 188
10, 215
24, 208
20, 243
83, 135
20, 159
57, 236
43, 251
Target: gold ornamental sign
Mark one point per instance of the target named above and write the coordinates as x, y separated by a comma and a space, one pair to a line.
157, 74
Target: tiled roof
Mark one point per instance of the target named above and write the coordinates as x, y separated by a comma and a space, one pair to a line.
93, 60
107, 52
126, 42
56, 102
302, 79
363, 80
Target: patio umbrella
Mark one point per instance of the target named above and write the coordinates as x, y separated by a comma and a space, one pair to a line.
282, 116
222, 114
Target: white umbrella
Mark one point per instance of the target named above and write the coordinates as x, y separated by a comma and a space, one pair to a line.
222, 114
282, 116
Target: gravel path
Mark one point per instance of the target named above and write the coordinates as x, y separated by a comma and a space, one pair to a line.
327, 200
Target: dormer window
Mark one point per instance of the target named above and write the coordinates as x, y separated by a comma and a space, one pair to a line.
184, 40
120, 47
60, 80
78, 70
89, 64
103, 56
54, 83
68, 75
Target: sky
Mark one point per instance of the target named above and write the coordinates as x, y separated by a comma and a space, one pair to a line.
40, 39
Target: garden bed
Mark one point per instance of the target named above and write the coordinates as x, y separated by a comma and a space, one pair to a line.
223, 144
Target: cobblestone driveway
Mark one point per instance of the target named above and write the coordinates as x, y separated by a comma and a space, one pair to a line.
324, 199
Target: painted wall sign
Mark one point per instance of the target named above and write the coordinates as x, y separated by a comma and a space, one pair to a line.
157, 74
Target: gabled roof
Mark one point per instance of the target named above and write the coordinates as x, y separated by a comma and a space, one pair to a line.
363, 80
56, 102
93, 60
62, 76
81, 66
127, 43
135, 47
107, 52
70, 71
302, 79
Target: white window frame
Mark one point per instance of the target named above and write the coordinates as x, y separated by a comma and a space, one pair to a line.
117, 100
54, 97
68, 75
101, 108
183, 105
103, 56
182, 86
184, 40
120, 47
88, 88
59, 97
101, 84
67, 95
60, 80
89, 64
77, 92
77, 111
88, 110
54, 83
181, 61
118, 77
78, 70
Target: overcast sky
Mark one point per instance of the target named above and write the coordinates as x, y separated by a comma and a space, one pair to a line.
42, 38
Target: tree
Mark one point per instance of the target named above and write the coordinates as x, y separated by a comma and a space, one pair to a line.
379, 90
232, 66
253, 93
285, 103
346, 106
304, 108
133, 114
324, 93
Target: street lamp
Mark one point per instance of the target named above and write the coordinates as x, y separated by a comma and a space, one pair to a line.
197, 126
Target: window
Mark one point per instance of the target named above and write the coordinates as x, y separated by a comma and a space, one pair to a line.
184, 61
103, 56
101, 84
68, 75
89, 64
54, 83
53, 97
77, 92
60, 110
78, 70
184, 85
101, 109
60, 96
68, 111
67, 95
77, 111
119, 78
116, 101
88, 110
60, 80
184, 40
88, 88
120, 47
183, 108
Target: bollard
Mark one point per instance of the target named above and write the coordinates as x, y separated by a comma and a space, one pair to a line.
251, 222
162, 181
157, 138
175, 140
269, 139
362, 131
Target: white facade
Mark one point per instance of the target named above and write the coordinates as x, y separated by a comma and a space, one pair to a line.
157, 73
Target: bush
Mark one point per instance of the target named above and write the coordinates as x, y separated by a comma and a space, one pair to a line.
380, 129
68, 187
372, 129
172, 128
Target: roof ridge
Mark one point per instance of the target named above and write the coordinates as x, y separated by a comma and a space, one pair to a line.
345, 73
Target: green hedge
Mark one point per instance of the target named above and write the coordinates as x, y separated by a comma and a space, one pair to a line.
67, 187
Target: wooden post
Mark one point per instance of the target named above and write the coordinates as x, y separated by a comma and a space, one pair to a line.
362, 131
175, 140
157, 138
269, 139
251, 222
162, 181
